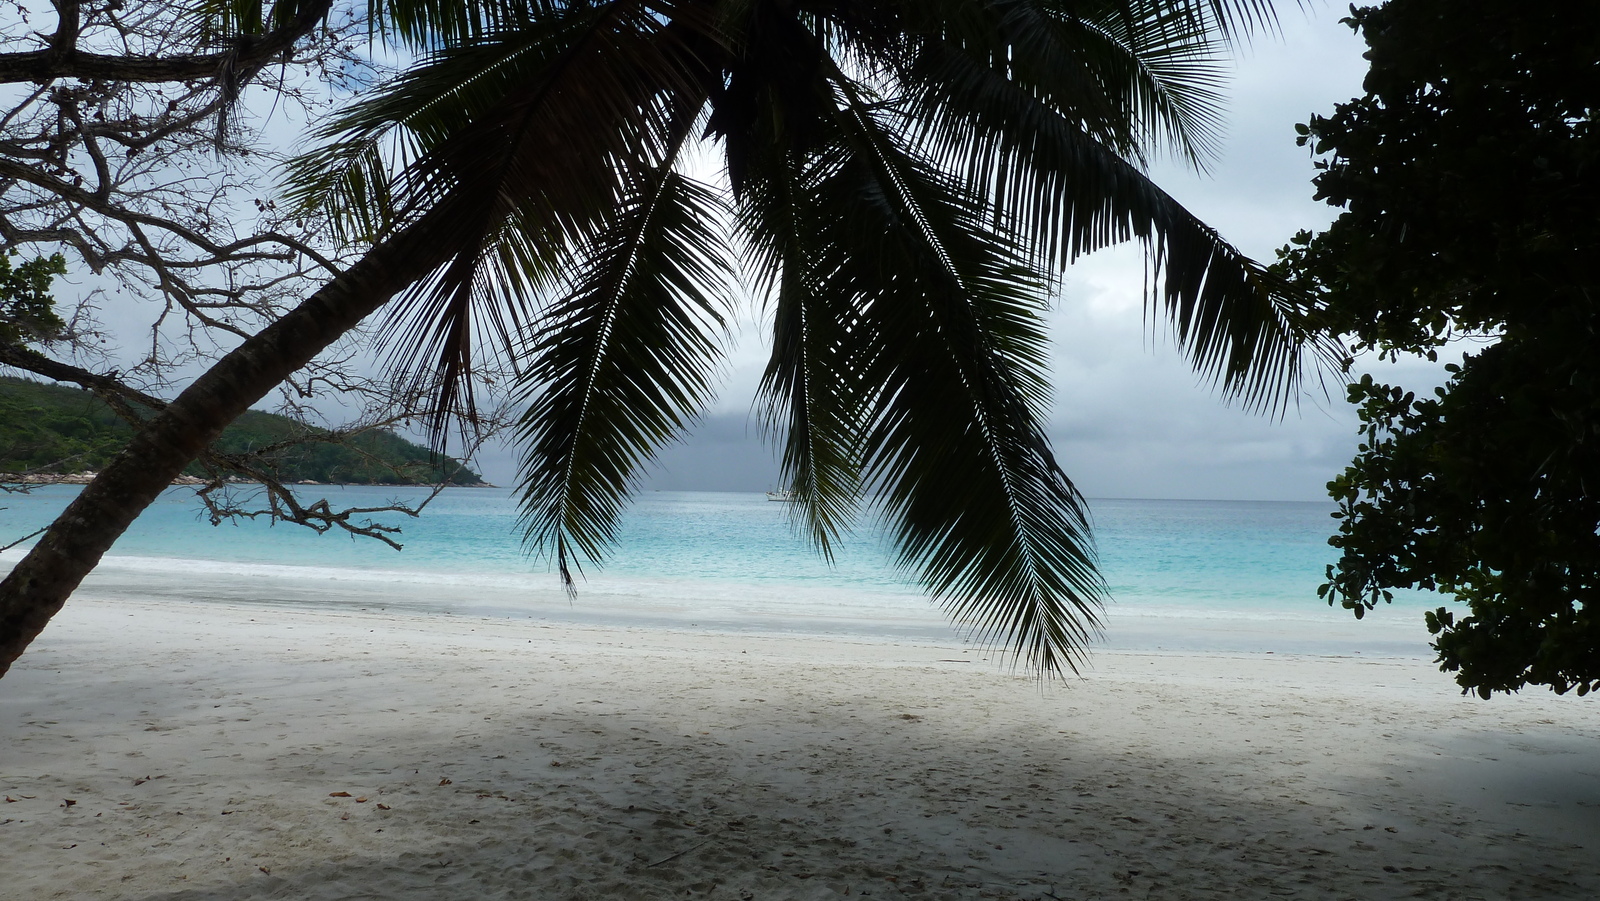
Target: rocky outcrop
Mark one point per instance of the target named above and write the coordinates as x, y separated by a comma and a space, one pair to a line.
74, 478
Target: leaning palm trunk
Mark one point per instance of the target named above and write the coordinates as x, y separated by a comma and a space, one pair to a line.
41, 582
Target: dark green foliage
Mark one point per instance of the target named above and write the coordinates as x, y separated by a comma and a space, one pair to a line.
65, 430
370, 458
27, 311
1470, 179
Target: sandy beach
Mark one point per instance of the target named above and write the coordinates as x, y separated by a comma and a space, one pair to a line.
185, 750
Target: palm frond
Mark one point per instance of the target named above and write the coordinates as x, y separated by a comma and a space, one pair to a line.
951, 340
1130, 83
1069, 194
373, 150
521, 186
811, 393
1178, 73
1235, 21
767, 115
1162, 69
622, 363
231, 18
428, 24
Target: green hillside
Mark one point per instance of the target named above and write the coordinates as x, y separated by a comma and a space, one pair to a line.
67, 430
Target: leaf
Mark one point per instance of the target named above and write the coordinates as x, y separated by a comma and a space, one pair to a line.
338, 794
516, 189
952, 346
622, 363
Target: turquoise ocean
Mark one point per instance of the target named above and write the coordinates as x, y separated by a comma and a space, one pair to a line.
1185, 575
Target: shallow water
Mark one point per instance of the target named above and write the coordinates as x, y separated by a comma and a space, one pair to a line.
1184, 575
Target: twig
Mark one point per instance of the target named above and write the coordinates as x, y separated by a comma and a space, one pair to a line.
681, 853
13, 544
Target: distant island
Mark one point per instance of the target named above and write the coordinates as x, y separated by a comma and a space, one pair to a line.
64, 434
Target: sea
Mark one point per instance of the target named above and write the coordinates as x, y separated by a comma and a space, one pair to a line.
1184, 575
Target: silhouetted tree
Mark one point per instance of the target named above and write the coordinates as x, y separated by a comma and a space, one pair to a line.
904, 180
1470, 178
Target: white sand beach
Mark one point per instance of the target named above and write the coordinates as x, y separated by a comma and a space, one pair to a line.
183, 750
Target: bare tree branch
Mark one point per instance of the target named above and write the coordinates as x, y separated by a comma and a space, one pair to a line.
116, 148
243, 57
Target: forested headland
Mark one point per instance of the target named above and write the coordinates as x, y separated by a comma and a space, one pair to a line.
55, 430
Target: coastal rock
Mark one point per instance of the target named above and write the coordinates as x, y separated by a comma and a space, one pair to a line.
49, 478
74, 478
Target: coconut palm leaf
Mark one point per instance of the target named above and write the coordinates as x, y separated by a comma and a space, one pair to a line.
1128, 81
811, 393
392, 141
951, 345
622, 362
809, 396
428, 24
351, 175
1051, 180
528, 180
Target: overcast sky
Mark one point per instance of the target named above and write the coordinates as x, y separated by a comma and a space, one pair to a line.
1129, 417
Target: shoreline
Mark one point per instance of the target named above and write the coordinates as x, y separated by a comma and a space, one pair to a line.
205, 746
713, 607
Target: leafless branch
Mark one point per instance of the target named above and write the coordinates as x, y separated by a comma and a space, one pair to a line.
64, 57
128, 144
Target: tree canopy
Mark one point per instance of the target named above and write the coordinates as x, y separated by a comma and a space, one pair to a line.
56, 430
1469, 176
27, 311
904, 180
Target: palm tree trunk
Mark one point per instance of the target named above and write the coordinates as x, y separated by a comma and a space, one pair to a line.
43, 580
